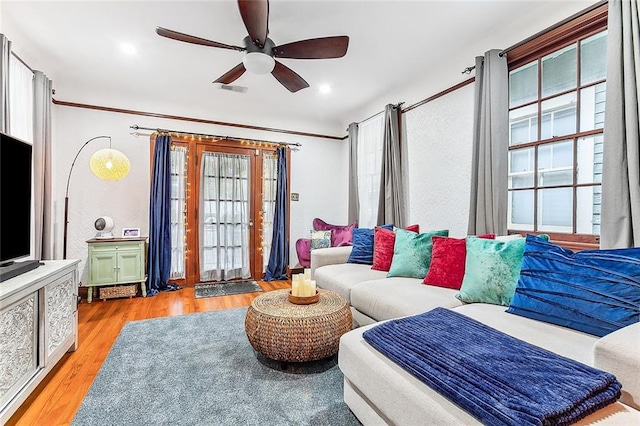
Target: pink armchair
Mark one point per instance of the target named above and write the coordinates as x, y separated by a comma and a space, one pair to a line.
340, 236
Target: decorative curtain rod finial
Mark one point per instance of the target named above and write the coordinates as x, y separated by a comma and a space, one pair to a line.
468, 70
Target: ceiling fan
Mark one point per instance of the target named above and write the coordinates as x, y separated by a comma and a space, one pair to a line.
260, 50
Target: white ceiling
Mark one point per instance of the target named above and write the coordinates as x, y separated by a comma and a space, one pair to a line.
398, 51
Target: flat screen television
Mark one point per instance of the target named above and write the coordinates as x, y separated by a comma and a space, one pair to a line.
15, 199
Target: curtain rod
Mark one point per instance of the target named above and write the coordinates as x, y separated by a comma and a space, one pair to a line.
136, 127
398, 105
583, 12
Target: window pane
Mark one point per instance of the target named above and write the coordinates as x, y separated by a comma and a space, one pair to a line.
559, 116
592, 102
521, 210
523, 125
370, 134
523, 84
521, 168
588, 209
555, 210
593, 58
559, 71
590, 159
555, 164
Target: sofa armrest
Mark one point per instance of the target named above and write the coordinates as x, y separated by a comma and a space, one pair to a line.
619, 354
329, 256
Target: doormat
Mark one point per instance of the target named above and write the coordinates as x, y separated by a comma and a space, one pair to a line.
225, 288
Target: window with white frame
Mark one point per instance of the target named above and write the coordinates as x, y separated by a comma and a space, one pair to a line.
556, 120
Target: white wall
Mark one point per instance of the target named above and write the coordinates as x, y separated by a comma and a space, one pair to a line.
439, 160
316, 173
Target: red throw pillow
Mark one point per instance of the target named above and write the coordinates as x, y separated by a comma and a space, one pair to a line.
383, 242
447, 261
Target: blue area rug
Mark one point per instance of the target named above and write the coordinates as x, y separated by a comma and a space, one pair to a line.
200, 369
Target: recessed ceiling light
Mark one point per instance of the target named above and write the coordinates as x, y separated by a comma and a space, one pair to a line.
324, 88
128, 49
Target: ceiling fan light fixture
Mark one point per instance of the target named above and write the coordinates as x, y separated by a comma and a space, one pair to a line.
258, 63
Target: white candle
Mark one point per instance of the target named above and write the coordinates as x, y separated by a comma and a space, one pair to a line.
307, 274
313, 287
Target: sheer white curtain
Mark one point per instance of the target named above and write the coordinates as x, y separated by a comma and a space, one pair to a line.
178, 211
20, 100
269, 185
5, 58
370, 138
224, 216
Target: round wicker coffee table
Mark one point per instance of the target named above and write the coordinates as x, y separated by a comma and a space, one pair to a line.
283, 331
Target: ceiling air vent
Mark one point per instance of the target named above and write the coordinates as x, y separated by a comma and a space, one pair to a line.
233, 88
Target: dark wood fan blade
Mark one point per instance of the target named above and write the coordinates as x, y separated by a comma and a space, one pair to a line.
288, 78
232, 75
255, 15
175, 35
315, 48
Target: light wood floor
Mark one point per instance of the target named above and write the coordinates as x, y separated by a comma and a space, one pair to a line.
60, 394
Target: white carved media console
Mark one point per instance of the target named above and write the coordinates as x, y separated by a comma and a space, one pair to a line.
38, 325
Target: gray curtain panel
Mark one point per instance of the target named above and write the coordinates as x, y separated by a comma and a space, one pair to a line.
354, 204
5, 53
391, 205
488, 203
620, 220
42, 166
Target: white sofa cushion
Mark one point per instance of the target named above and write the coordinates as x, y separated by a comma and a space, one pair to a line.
619, 354
561, 340
397, 297
340, 278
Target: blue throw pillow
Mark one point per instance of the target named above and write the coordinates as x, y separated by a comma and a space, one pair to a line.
362, 251
594, 291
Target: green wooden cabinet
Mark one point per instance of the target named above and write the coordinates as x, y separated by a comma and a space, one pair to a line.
116, 261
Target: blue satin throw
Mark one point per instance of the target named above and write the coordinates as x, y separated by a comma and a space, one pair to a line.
497, 378
594, 291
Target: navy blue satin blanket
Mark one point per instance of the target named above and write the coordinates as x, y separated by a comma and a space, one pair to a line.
497, 378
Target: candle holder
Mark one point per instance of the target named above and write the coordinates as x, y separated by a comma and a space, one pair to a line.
304, 300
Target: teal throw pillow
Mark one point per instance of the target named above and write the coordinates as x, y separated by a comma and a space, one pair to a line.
492, 270
412, 253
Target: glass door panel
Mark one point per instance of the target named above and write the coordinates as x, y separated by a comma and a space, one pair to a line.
224, 216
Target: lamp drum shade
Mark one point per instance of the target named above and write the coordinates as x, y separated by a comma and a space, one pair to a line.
109, 164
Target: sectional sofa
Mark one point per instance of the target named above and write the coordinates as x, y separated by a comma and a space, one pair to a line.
380, 392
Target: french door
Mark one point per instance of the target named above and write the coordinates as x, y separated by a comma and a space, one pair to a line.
222, 205
225, 214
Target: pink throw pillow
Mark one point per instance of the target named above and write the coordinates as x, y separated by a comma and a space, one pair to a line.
340, 235
383, 243
448, 257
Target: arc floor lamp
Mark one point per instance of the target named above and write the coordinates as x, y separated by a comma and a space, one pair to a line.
107, 164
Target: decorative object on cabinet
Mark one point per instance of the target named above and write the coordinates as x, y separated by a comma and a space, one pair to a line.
130, 232
38, 325
104, 225
116, 261
107, 164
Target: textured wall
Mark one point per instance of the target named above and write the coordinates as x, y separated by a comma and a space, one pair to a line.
316, 173
439, 161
